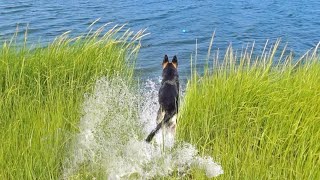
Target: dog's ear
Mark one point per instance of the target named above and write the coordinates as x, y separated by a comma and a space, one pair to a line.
175, 61
165, 61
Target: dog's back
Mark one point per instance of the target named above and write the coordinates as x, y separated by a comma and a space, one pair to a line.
169, 90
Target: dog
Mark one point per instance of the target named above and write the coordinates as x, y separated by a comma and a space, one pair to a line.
168, 97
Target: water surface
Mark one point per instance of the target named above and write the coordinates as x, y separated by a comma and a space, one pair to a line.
174, 26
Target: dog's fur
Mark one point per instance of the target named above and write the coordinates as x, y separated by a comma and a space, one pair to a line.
168, 97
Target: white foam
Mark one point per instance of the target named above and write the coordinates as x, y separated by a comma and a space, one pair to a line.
114, 124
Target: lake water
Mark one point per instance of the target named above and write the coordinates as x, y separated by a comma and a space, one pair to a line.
174, 26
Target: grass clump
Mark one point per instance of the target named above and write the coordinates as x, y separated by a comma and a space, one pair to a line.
257, 115
41, 92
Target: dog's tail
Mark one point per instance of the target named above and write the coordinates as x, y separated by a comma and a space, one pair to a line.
166, 118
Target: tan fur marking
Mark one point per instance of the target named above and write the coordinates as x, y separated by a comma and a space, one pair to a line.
174, 65
164, 65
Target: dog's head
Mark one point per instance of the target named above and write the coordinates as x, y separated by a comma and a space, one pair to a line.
169, 69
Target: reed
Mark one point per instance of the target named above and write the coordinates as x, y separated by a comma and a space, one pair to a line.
42, 89
256, 114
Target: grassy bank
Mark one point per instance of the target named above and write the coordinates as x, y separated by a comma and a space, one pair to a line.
42, 89
257, 115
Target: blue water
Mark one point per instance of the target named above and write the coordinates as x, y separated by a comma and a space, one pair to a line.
174, 25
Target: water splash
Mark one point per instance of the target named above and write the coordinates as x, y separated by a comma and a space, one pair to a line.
111, 143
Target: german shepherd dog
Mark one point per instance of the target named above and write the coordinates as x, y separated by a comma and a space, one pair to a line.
168, 97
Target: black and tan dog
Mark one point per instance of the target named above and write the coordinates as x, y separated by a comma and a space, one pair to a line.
168, 97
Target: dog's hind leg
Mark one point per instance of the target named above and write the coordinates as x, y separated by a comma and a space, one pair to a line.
160, 115
165, 120
172, 124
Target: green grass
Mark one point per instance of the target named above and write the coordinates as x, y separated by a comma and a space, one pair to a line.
257, 115
42, 90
